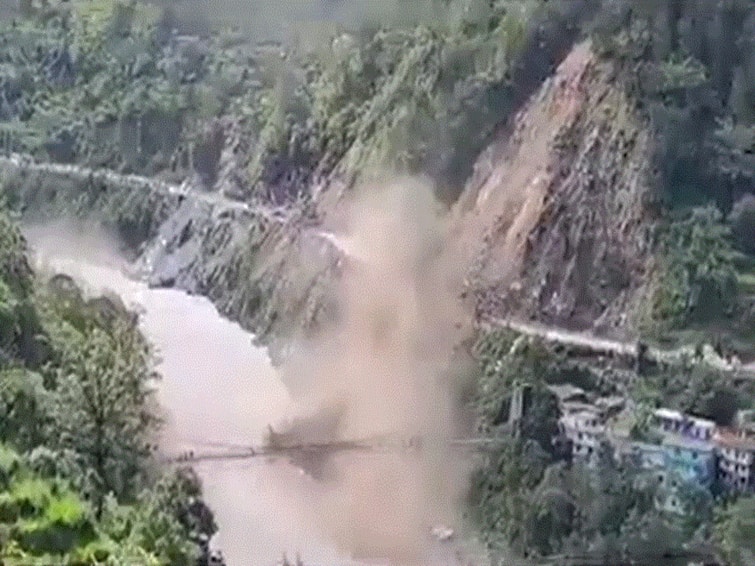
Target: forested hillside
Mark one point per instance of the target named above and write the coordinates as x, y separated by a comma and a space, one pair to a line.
273, 124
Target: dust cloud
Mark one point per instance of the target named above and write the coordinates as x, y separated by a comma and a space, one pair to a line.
388, 369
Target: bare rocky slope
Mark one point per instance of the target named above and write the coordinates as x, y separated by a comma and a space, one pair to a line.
556, 215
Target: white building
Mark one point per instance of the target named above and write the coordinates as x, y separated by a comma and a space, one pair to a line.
674, 422
736, 455
585, 430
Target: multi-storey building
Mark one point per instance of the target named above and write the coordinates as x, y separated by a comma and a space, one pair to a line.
585, 430
736, 457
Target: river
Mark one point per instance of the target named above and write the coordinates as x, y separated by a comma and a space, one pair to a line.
216, 387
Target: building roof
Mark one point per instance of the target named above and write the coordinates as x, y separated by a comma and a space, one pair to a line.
668, 414
730, 439
567, 392
686, 443
671, 414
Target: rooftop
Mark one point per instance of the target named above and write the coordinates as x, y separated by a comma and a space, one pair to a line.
731, 439
670, 414
566, 391
680, 441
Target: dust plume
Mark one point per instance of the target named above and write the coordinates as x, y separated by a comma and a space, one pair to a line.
387, 369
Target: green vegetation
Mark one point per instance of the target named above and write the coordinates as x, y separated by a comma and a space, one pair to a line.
104, 82
699, 280
44, 521
77, 485
419, 99
361, 98
100, 82
735, 532
691, 66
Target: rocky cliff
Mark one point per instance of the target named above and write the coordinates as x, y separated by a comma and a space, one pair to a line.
554, 224
555, 216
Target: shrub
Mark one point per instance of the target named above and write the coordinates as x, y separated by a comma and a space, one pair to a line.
743, 223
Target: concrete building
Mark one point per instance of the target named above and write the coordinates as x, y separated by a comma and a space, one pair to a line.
686, 446
686, 426
583, 420
584, 430
689, 460
736, 455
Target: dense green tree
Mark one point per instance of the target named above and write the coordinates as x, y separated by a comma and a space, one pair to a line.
15, 272
168, 520
743, 223
508, 361
25, 408
735, 532
43, 521
500, 494
690, 64
102, 406
699, 278
79, 416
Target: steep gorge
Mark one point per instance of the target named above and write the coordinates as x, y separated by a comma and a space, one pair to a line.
554, 223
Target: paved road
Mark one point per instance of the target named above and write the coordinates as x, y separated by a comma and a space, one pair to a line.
85, 174
568, 337
615, 347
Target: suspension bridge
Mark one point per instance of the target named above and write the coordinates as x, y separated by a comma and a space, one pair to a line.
416, 444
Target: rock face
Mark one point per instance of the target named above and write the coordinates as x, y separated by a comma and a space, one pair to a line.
555, 215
